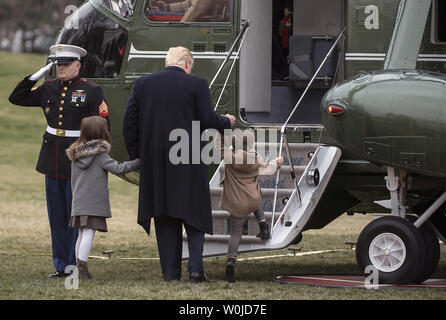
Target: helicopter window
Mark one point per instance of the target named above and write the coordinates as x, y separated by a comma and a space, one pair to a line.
123, 8
104, 40
440, 21
189, 10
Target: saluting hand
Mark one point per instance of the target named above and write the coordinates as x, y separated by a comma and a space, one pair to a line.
39, 74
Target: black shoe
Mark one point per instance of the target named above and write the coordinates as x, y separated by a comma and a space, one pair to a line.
230, 270
58, 274
197, 277
172, 279
264, 231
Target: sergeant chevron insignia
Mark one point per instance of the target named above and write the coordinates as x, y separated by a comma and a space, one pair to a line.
103, 109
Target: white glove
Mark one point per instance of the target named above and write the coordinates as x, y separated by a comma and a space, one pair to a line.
39, 74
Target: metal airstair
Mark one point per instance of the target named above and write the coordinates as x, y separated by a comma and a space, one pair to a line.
287, 200
290, 214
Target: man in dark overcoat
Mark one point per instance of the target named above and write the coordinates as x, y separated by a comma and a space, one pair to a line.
64, 101
173, 193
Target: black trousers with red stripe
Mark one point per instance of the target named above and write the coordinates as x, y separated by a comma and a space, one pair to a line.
63, 238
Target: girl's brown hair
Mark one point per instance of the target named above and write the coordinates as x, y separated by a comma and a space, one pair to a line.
92, 128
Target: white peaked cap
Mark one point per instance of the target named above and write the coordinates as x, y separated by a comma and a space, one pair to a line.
67, 52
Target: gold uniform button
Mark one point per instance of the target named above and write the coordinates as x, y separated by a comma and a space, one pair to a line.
61, 109
60, 116
63, 94
60, 124
62, 102
65, 89
77, 104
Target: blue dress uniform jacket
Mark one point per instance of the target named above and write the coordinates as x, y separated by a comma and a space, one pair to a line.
64, 105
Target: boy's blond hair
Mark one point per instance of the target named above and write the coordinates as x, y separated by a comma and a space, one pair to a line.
179, 56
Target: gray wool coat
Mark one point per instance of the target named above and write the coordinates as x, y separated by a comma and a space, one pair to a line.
90, 164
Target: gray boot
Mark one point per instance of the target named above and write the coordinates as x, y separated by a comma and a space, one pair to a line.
83, 270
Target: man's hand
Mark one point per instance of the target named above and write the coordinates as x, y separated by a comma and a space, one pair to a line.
39, 74
232, 118
280, 161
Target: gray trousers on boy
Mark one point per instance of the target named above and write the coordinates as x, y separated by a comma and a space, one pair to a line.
236, 230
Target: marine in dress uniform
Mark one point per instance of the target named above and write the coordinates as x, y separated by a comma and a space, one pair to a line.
64, 103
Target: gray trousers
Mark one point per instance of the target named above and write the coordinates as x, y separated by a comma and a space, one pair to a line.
236, 230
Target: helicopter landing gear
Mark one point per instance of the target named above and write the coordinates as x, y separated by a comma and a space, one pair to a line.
403, 249
431, 248
394, 247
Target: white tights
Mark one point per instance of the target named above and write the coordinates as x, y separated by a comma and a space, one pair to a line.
84, 243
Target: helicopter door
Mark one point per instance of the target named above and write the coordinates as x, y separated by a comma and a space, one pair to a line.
287, 41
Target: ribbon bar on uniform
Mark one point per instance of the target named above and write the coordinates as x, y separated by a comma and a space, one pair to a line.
63, 133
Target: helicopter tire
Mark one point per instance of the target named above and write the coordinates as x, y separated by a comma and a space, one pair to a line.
394, 247
431, 248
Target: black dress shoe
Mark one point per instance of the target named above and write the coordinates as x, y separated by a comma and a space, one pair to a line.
58, 274
196, 277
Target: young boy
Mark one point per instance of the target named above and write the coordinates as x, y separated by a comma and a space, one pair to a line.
241, 191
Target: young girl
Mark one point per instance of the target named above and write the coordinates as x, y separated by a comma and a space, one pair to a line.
241, 192
90, 164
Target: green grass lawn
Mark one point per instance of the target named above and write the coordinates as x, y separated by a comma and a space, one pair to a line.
134, 272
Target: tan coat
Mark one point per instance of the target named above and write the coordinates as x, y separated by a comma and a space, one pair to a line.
241, 191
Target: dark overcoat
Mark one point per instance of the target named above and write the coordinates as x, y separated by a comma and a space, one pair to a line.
64, 105
160, 103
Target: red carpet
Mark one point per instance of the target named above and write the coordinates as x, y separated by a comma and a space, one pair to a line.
354, 281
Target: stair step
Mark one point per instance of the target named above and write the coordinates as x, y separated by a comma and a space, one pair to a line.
222, 214
284, 170
269, 181
293, 146
299, 152
225, 238
221, 222
267, 198
267, 192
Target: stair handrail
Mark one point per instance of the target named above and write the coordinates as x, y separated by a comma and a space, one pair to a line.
283, 129
237, 55
242, 32
312, 80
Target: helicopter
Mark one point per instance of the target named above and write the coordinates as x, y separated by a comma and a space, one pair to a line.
353, 89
